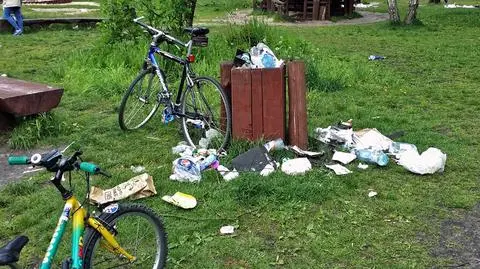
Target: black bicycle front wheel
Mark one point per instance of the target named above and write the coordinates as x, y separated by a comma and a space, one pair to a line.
140, 102
137, 229
208, 120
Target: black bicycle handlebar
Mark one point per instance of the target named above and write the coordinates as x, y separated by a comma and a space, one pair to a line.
159, 33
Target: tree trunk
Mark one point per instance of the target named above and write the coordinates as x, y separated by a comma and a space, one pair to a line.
191, 4
412, 11
393, 11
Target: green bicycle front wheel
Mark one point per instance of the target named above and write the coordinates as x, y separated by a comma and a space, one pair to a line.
140, 102
137, 229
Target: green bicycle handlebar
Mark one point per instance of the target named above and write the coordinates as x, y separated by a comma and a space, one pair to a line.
89, 167
18, 160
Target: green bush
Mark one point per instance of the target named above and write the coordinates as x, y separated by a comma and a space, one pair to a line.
170, 15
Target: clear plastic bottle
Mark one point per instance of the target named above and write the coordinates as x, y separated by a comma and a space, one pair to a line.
372, 156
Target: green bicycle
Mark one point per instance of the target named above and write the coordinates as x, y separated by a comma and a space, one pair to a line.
122, 236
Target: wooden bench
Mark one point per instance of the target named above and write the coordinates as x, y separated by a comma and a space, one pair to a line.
24, 98
5, 26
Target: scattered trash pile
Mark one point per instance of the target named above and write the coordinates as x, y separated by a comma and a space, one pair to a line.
189, 166
370, 146
260, 56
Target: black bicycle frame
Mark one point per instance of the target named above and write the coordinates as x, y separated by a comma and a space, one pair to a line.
186, 73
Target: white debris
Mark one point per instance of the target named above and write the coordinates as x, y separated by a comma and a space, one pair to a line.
430, 161
344, 157
227, 229
362, 166
339, 169
296, 166
226, 173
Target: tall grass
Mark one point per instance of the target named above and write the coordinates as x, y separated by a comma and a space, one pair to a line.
34, 129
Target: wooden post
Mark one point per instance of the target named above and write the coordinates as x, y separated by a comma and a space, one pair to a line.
316, 9
269, 5
305, 2
226, 83
297, 114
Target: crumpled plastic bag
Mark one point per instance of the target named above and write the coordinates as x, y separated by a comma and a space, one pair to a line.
186, 169
372, 138
332, 134
296, 166
429, 162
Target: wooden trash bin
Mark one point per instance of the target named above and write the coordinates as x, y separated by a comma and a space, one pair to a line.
258, 98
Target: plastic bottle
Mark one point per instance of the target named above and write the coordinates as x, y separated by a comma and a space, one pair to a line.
167, 115
276, 144
268, 61
399, 148
372, 156
375, 57
208, 161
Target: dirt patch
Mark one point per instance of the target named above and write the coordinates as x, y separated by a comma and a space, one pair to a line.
459, 240
244, 16
12, 173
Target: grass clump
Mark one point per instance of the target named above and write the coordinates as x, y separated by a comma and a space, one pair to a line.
33, 129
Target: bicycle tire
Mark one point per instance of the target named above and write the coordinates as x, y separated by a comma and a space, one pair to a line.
195, 132
148, 94
92, 238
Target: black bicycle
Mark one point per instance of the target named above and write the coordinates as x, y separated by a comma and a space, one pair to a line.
202, 105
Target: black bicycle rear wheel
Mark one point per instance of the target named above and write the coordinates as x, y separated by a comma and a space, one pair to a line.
208, 119
140, 102
137, 229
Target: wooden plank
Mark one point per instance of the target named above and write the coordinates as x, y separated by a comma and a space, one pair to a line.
22, 98
241, 104
5, 26
297, 104
273, 84
257, 104
316, 10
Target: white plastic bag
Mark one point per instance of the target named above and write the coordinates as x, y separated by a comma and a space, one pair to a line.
296, 166
430, 161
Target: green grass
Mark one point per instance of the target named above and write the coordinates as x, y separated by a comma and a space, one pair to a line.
428, 86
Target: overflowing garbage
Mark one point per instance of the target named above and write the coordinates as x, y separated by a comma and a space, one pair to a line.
259, 56
372, 147
343, 146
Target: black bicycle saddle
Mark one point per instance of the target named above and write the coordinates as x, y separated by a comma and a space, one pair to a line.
197, 30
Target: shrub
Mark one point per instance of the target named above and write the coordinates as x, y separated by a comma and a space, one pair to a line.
170, 15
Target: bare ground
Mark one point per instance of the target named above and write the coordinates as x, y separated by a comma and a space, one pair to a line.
243, 16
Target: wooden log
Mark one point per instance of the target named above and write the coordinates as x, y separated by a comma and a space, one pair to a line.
316, 10
297, 113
